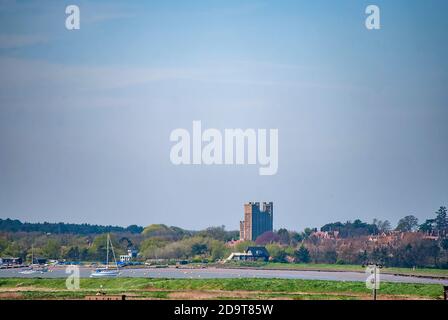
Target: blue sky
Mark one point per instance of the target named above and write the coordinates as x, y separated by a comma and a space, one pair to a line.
85, 115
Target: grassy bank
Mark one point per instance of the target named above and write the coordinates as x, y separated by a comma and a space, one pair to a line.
424, 272
144, 288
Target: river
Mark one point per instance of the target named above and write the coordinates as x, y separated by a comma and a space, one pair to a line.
216, 273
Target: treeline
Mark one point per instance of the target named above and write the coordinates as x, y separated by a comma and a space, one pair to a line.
409, 244
437, 226
350, 229
9, 225
69, 247
156, 241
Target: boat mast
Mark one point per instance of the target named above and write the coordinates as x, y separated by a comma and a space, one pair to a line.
113, 253
107, 251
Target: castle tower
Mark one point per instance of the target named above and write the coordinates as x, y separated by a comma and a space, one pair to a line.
258, 219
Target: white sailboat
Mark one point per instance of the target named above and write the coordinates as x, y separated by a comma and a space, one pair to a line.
34, 268
106, 271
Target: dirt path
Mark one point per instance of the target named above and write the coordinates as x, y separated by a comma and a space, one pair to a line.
212, 294
17, 293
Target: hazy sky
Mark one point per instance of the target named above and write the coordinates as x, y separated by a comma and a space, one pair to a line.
86, 115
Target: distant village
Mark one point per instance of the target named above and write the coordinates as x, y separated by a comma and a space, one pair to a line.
409, 244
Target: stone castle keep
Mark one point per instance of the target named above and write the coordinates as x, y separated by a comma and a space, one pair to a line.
258, 219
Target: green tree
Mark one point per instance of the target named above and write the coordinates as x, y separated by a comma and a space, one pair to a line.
73, 254
198, 249
302, 255
427, 226
174, 250
217, 250
217, 233
151, 247
444, 244
290, 251
433, 250
14, 250
52, 249
383, 226
283, 236
162, 231
407, 224
134, 229
276, 252
442, 221
84, 254
3, 244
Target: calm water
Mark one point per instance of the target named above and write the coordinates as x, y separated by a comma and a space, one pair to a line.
210, 273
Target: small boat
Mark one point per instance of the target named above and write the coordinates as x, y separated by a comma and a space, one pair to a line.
107, 272
28, 271
104, 273
34, 268
40, 269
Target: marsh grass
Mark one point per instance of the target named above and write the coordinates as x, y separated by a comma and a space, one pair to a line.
268, 288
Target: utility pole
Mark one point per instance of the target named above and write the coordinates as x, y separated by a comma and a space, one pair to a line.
374, 281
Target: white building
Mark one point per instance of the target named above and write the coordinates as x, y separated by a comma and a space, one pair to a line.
125, 258
128, 257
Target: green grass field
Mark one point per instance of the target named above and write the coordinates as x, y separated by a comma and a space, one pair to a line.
144, 288
438, 273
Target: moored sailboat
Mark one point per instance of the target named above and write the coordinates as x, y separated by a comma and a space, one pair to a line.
34, 268
106, 271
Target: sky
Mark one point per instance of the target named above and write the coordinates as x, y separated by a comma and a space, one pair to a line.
86, 115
